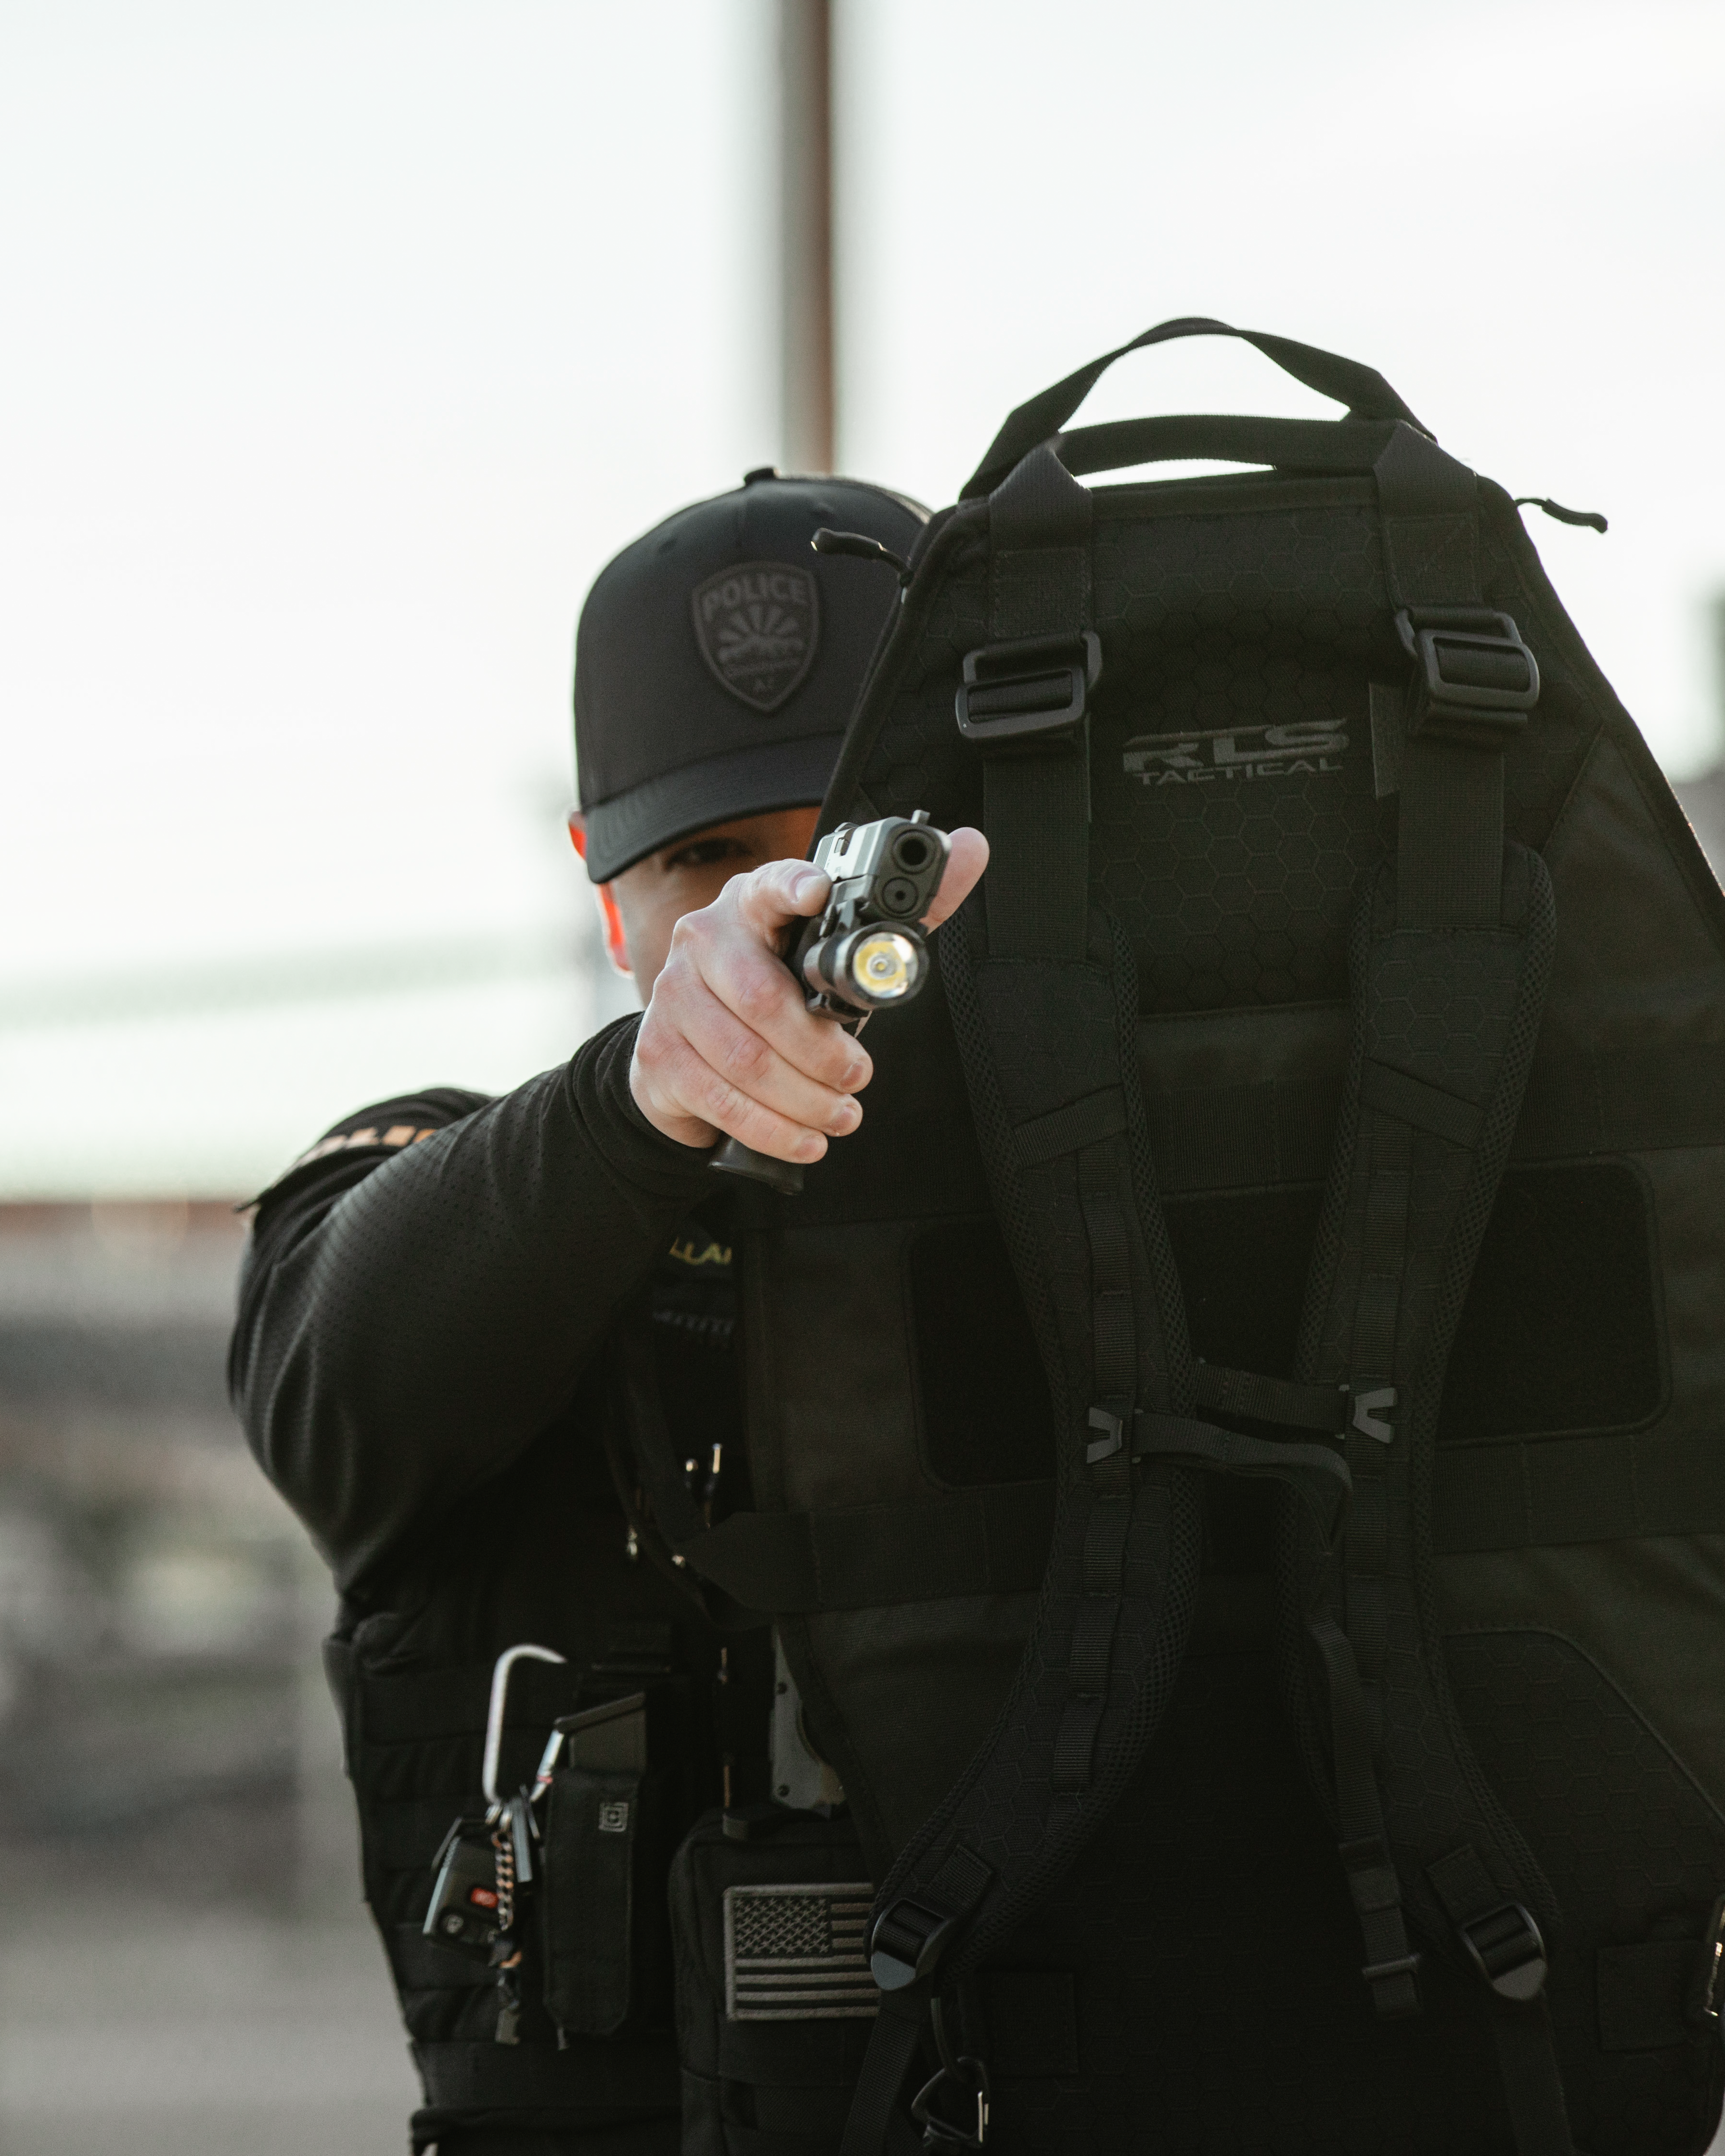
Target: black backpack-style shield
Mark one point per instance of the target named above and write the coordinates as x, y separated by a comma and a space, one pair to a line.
1236, 1430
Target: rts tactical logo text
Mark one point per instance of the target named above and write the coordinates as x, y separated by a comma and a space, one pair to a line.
1232, 754
758, 626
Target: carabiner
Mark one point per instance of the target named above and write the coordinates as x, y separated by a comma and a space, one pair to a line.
971, 2077
494, 1718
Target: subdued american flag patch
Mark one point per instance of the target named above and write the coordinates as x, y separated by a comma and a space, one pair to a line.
796, 1953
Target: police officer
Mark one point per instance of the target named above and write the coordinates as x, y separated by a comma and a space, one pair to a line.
423, 1356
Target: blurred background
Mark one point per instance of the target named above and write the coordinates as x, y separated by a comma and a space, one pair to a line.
346, 340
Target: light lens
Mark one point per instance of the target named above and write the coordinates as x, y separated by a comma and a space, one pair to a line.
884, 966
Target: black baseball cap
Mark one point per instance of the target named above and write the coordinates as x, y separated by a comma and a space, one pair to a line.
718, 657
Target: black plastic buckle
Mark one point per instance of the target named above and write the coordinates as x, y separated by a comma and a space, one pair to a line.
970, 2078
1368, 1416
907, 1943
1111, 1419
1035, 688
1475, 679
1507, 1950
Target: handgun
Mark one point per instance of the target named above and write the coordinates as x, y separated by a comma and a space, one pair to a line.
864, 950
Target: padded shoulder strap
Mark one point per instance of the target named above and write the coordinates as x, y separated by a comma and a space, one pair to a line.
1045, 1002
1044, 1006
1450, 954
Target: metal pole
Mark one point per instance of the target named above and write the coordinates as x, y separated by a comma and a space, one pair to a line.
805, 226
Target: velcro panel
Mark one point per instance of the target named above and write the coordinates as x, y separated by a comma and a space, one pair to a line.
1560, 1330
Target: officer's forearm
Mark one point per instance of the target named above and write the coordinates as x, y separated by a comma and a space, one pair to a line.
407, 1344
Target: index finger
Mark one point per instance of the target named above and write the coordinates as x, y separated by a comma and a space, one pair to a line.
778, 892
965, 863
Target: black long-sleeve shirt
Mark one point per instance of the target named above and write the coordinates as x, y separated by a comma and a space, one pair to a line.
415, 1311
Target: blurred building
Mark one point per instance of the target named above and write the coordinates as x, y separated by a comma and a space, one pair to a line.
187, 1965
149, 1585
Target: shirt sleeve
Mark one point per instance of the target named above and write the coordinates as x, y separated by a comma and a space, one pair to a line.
424, 1289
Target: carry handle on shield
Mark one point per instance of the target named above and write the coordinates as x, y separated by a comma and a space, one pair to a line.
1362, 389
865, 952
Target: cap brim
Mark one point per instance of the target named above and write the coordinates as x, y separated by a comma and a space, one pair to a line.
744, 782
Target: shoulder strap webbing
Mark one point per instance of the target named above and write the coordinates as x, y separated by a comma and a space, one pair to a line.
1450, 952
1044, 1005
1043, 998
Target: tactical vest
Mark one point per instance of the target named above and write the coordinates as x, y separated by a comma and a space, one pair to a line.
1234, 1435
546, 1554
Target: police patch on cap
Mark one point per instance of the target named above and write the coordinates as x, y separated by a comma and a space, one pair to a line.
758, 626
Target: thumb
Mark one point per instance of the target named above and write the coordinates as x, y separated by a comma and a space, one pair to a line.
968, 858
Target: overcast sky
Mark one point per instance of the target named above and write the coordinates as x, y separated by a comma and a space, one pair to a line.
346, 339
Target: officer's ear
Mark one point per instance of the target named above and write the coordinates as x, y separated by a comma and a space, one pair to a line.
616, 943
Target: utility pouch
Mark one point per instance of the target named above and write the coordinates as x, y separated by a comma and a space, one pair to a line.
775, 2002
614, 1808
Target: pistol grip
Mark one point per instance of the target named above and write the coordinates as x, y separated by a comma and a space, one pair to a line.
733, 1158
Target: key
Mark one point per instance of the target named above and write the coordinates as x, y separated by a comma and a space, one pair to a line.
523, 1833
464, 1910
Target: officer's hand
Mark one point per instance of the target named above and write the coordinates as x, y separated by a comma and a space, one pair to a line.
726, 1045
